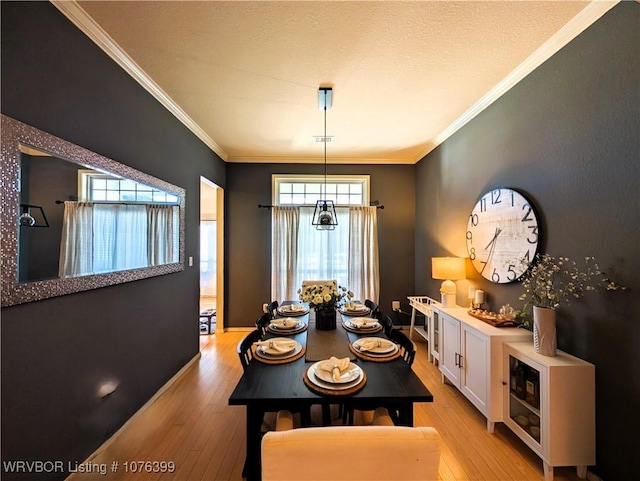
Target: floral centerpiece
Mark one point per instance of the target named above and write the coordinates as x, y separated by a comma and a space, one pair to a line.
553, 281
325, 299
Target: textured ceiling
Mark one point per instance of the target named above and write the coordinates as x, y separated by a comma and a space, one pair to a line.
405, 74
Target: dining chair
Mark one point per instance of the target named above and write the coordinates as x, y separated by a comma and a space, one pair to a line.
272, 308
406, 345
385, 321
263, 322
245, 351
373, 306
350, 453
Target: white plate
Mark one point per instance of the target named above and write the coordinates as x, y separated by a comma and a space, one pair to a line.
293, 312
386, 347
371, 323
266, 351
351, 374
355, 313
292, 324
311, 373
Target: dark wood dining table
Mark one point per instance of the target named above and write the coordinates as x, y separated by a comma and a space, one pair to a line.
274, 387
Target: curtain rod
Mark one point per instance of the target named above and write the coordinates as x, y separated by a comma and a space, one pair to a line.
106, 202
374, 203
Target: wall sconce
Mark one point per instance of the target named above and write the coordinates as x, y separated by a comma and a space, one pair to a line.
32, 216
450, 269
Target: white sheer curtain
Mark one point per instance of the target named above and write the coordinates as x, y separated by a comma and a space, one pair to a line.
162, 228
284, 253
120, 237
364, 267
76, 243
348, 254
100, 238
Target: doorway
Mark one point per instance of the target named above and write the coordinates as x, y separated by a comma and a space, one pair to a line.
211, 255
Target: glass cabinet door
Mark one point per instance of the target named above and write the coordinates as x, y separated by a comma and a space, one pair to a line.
524, 397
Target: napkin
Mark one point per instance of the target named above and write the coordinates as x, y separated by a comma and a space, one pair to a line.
293, 307
280, 346
354, 306
335, 366
360, 323
370, 344
285, 323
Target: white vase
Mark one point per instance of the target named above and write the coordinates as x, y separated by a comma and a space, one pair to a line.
544, 330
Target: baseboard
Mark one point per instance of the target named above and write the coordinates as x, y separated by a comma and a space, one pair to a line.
146, 406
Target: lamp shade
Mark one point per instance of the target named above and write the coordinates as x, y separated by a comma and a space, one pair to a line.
448, 268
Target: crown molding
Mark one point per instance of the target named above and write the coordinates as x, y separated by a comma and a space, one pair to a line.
578, 24
261, 159
77, 15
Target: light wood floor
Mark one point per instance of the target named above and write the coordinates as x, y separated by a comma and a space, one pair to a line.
192, 425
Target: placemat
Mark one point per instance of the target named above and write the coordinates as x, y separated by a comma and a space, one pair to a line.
347, 327
280, 332
324, 344
336, 392
285, 360
365, 357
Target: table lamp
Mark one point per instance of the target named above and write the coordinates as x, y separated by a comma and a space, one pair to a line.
450, 269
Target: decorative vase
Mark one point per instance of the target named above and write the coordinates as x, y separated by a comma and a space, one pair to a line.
544, 330
325, 319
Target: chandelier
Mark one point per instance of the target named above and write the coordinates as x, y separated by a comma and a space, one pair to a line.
324, 215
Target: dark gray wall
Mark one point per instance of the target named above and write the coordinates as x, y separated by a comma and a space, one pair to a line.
249, 232
567, 136
56, 352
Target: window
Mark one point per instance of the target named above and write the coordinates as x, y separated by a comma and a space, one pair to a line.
307, 190
98, 187
348, 254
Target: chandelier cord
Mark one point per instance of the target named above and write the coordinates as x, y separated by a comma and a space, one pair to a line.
325, 144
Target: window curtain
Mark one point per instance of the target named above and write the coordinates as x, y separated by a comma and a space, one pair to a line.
284, 252
76, 245
323, 254
120, 237
162, 245
348, 254
364, 266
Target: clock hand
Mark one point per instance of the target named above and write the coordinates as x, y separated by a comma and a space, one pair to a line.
498, 230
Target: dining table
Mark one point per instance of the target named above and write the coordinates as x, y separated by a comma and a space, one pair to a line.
271, 387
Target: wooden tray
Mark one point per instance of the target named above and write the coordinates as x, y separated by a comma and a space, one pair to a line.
494, 319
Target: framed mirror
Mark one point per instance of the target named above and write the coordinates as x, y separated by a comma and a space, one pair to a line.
73, 220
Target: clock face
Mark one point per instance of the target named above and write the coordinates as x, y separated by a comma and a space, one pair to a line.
503, 234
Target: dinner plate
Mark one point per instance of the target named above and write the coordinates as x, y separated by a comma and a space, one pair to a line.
291, 324
371, 324
385, 349
311, 373
286, 310
355, 313
268, 353
350, 375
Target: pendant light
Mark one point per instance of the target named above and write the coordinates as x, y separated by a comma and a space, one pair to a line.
324, 215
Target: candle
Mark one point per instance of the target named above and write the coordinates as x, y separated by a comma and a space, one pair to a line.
471, 292
479, 297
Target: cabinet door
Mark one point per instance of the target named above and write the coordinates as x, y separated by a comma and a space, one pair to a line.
450, 349
474, 376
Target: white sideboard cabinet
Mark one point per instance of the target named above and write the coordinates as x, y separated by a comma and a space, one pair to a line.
471, 358
549, 402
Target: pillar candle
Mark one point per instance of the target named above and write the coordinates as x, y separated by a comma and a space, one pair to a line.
479, 297
471, 292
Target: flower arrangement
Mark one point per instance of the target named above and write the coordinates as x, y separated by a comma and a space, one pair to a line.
554, 280
324, 297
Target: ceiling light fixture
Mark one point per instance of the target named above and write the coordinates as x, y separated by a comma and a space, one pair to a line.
324, 215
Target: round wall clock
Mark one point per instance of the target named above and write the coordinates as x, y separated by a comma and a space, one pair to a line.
503, 234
